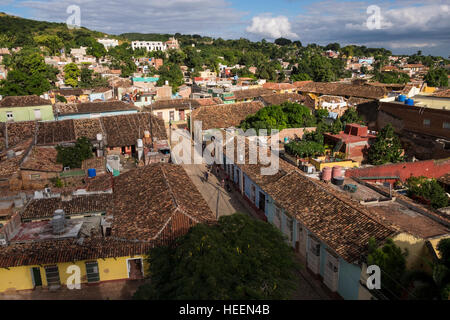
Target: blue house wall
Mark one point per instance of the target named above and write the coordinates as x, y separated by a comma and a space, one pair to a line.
349, 274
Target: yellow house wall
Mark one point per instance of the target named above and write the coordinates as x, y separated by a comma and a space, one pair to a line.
345, 164
19, 278
418, 253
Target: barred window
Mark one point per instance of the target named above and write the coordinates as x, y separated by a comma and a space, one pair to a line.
92, 271
52, 275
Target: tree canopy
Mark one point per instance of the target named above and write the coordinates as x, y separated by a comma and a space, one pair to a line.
239, 258
29, 74
392, 262
386, 148
279, 117
437, 77
428, 190
73, 156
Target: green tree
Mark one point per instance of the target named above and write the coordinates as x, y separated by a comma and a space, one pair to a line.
437, 77
304, 149
392, 262
171, 73
239, 258
73, 156
71, 74
386, 148
351, 116
29, 74
434, 286
428, 189
89, 79
51, 42
96, 49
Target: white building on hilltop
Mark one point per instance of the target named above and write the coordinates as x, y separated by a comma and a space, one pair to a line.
108, 43
149, 45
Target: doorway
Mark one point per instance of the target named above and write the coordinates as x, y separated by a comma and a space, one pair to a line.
36, 277
135, 269
262, 201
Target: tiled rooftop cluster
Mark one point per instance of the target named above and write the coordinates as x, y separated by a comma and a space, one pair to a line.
225, 115
342, 89
44, 208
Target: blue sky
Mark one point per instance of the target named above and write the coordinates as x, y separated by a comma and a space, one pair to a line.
406, 26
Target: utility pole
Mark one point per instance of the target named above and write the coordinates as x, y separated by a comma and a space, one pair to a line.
151, 126
190, 117
217, 204
6, 135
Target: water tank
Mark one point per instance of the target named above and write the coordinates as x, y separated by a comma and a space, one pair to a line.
339, 181
58, 221
326, 174
99, 137
401, 98
140, 144
409, 102
92, 173
10, 154
337, 171
147, 134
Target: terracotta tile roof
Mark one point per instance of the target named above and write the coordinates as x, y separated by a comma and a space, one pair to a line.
277, 99
442, 93
42, 159
445, 179
53, 132
69, 250
69, 92
251, 93
149, 200
78, 205
124, 130
17, 132
342, 89
278, 86
181, 103
11, 166
225, 115
103, 182
92, 107
87, 128
344, 226
23, 101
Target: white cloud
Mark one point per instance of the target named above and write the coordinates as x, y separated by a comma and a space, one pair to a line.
271, 27
405, 24
149, 16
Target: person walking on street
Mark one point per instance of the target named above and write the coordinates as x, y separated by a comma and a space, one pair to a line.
206, 176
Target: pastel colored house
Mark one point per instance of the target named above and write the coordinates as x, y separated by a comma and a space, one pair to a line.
93, 110
328, 229
25, 108
331, 249
99, 236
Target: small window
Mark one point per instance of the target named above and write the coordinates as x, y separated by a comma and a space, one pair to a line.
290, 227
35, 176
37, 114
446, 125
92, 271
426, 122
9, 116
52, 275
